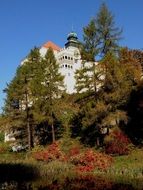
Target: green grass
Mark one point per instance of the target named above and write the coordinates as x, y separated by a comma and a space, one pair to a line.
126, 169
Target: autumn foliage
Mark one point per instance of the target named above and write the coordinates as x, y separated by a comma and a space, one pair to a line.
119, 144
84, 161
52, 152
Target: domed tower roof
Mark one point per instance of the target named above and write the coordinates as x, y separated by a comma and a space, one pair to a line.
72, 40
72, 35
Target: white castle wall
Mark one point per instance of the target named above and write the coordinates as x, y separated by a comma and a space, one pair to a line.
69, 60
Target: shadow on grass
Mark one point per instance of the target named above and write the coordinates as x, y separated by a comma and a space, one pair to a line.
17, 172
24, 177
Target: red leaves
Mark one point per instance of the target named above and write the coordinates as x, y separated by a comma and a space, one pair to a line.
90, 160
85, 161
119, 144
53, 152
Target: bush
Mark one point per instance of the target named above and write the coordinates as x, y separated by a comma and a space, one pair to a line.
90, 160
4, 147
52, 152
119, 143
84, 160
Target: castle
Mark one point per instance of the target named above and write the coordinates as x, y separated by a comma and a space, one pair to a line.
69, 59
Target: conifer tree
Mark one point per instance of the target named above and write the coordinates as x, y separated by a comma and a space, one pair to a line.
16, 106
19, 98
122, 75
88, 77
108, 33
47, 88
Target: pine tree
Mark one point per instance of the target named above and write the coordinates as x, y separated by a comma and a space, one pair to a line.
108, 34
19, 97
47, 88
16, 105
121, 74
90, 42
88, 77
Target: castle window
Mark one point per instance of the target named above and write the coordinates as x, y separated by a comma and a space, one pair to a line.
68, 58
71, 58
65, 57
66, 66
71, 67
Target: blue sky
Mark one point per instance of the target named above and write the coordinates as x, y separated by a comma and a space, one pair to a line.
28, 23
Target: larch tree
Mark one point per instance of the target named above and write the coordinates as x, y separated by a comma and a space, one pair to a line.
108, 34
88, 77
19, 98
47, 88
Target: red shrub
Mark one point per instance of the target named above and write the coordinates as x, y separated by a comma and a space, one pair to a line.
90, 160
74, 151
85, 161
119, 144
53, 152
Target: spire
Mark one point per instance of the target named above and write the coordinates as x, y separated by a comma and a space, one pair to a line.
72, 40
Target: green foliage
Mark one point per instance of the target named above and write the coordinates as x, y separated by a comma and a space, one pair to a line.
89, 48
1, 137
100, 35
50, 84
4, 147
108, 34
120, 76
32, 96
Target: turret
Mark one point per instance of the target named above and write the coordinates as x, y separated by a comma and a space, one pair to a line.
72, 40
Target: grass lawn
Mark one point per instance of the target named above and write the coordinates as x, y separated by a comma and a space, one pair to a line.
126, 169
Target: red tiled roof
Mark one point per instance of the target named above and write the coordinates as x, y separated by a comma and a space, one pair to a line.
51, 45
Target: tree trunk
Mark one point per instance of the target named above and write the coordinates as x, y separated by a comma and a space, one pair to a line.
94, 81
53, 133
29, 130
30, 144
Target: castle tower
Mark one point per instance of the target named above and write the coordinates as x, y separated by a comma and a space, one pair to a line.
70, 60
72, 40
